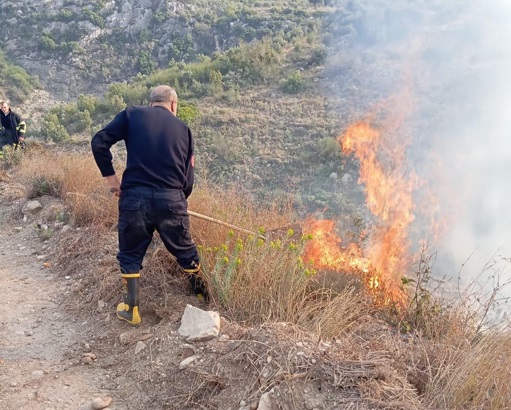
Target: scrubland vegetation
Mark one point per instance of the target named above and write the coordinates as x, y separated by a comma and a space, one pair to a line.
266, 115
14, 80
438, 347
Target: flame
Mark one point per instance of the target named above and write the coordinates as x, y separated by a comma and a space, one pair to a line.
389, 185
325, 251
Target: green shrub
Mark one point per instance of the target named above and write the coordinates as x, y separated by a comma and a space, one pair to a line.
52, 129
87, 103
145, 63
187, 112
47, 42
115, 104
319, 56
294, 84
328, 148
131, 94
94, 18
11, 157
216, 81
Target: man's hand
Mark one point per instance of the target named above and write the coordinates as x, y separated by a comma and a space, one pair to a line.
21, 138
114, 184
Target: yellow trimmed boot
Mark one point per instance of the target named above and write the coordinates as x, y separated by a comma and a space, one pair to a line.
196, 283
127, 310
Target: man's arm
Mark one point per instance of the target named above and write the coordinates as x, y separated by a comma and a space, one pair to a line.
190, 166
101, 143
21, 127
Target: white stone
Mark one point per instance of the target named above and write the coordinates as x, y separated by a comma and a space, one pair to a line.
101, 403
36, 374
187, 362
31, 208
139, 347
199, 325
267, 402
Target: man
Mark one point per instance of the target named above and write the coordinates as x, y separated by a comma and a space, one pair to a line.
13, 132
156, 183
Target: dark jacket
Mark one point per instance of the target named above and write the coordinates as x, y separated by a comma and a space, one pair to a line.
160, 149
13, 122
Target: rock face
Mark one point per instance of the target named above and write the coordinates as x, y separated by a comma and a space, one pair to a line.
74, 44
81, 46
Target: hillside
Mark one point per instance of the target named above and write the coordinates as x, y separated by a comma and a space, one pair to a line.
372, 132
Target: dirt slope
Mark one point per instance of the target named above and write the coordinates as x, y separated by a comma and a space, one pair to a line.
40, 346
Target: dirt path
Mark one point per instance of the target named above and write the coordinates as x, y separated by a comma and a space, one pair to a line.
40, 346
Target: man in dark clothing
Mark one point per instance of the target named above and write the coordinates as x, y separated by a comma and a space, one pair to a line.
156, 183
13, 128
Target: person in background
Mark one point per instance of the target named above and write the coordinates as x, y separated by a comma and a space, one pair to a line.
13, 128
153, 194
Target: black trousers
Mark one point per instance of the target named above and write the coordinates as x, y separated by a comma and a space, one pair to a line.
8, 137
144, 210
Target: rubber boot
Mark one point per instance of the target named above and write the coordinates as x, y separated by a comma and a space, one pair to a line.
196, 283
127, 310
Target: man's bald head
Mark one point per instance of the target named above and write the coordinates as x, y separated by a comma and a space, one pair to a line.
163, 94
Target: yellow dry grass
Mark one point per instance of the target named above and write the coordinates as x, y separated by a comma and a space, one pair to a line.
74, 178
474, 376
255, 281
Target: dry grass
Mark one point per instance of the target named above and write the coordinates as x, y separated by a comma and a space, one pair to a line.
75, 179
235, 206
474, 377
450, 361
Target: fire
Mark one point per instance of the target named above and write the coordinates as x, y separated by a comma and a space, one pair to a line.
325, 249
389, 185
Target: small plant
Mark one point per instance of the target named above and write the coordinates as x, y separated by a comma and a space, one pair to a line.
62, 217
11, 156
43, 231
249, 275
294, 84
422, 311
42, 186
187, 112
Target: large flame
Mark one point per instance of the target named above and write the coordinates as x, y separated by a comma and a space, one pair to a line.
388, 185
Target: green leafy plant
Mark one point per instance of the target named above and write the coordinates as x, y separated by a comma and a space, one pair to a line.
11, 156
52, 128
294, 84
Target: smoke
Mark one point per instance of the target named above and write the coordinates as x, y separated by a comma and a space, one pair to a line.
468, 134
457, 57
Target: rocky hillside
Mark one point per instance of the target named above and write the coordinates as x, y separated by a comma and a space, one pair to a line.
83, 45
274, 83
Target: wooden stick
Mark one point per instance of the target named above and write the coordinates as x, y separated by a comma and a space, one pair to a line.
217, 221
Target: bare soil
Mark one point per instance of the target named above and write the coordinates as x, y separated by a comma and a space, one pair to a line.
41, 346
